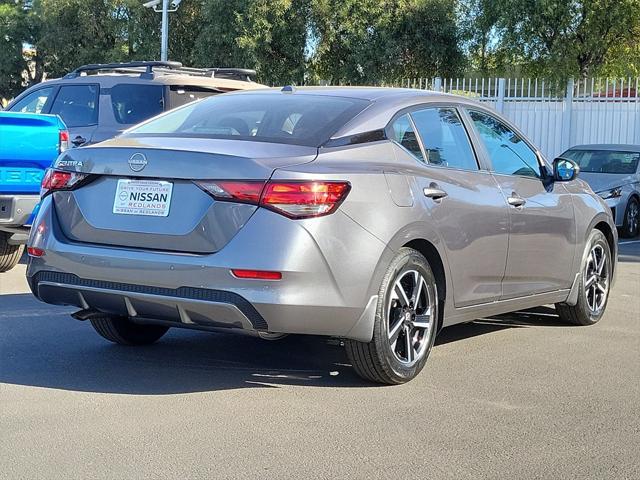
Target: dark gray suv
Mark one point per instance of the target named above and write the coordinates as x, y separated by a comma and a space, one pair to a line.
97, 102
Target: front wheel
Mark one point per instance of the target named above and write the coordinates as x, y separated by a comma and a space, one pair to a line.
631, 224
594, 286
405, 324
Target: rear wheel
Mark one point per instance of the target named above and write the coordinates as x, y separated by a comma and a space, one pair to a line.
9, 254
405, 324
123, 331
594, 286
631, 224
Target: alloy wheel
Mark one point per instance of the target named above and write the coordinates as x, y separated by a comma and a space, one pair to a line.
410, 315
596, 275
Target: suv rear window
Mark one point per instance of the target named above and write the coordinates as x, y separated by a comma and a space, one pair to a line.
135, 103
77, 105
308, 120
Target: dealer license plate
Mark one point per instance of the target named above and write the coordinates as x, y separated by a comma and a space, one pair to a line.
143, 197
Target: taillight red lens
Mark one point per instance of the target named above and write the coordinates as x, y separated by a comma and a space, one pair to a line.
294, 199
304, 199
35, 252
237, 191
59, 180
63, 143
257, 274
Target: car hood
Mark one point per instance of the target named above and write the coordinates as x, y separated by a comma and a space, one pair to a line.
600, 182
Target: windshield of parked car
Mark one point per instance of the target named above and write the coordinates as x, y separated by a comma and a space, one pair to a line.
308, 120
605, 161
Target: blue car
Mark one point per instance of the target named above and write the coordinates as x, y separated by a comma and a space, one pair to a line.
29, 143
613, 172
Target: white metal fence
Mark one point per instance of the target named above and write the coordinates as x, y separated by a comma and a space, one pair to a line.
555, 117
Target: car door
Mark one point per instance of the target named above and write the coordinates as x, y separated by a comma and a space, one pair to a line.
77, 105
542, 225
464, 204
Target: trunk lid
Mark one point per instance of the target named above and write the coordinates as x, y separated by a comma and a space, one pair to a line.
193, 221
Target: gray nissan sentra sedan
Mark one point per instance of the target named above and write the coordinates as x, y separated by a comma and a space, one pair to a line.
377, 216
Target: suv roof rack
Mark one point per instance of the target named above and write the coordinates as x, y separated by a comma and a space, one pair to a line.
242, 74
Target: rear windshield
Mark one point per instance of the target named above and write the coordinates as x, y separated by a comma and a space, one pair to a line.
604, 161
286, 118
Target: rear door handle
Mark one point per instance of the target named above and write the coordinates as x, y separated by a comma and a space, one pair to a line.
434, 193
516, 200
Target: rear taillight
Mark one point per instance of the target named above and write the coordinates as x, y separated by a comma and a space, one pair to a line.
236, 191
294, 199
59, 180
304, 199
63, 143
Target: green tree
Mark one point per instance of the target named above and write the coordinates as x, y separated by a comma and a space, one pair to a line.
564, 38
478, 20
13, 31
268, 35
367, 41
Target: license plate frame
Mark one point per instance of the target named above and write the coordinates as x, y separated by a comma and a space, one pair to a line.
144, 198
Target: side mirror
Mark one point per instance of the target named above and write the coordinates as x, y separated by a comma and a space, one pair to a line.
565, 170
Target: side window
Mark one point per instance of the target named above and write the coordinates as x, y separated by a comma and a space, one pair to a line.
34, 102
444, 138
404, 134
135, 103
77, 105
509, 153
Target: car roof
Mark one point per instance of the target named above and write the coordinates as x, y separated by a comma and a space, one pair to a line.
372, 94
609, 147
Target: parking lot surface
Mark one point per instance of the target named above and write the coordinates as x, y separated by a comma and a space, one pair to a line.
514, 396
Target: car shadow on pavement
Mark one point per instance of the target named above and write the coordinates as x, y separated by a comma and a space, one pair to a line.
42, 346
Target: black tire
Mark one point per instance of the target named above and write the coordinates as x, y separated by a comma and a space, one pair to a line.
376, 360
122, 331
631, 224
9, 254
581, 313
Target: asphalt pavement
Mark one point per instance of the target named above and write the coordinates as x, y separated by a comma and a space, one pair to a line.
515, 396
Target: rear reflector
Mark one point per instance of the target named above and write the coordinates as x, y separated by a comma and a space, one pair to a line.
35, 252
294, 199
257, 274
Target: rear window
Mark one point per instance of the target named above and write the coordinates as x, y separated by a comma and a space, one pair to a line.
604, 161
278, 118
181, 95
136, 103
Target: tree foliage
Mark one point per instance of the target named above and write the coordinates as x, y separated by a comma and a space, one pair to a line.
268, 35
373, 41
341, 41
561, 38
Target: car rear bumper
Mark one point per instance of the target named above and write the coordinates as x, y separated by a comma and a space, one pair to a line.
327, 287
16, 210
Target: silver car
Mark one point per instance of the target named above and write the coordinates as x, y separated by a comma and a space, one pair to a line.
613, 172
378, 216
